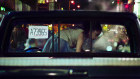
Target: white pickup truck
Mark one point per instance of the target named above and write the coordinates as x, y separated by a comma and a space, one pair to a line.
31, 46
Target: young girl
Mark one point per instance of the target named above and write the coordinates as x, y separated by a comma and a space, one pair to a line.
84, 39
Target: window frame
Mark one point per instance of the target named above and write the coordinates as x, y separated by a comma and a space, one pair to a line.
133, 43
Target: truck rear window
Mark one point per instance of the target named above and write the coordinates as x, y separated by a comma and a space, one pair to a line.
69, 37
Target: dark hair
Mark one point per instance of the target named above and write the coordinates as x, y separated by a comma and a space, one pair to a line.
17, 36
95, 26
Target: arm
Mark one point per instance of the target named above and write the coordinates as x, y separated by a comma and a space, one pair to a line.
79, 42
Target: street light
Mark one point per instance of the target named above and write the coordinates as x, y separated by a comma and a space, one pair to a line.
55, 0
73, 9
71, 2
78, 6
47, 1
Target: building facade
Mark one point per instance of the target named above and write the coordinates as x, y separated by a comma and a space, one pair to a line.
137, 8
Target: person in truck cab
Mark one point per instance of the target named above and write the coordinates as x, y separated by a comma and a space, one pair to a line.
17, 40
68, 40
84, 39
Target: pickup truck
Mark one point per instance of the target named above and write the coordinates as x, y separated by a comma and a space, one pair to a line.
31, 45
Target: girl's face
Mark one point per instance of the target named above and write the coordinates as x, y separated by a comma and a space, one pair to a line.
95, 34
15, 29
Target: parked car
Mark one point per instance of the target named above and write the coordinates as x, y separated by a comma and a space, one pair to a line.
44, 45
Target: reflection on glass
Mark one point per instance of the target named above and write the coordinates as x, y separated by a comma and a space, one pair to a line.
114, 38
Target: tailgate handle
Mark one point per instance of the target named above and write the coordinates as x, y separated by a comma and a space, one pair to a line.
78, 72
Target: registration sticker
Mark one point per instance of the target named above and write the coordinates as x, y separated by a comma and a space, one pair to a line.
38, 32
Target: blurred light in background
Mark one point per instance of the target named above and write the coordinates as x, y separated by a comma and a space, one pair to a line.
73, 25
130, 1
55, 0
73, 9
109, 48
62, 8
113, 2
78, 6
2, 8
72, 2
89, 0
126, 6
47, 1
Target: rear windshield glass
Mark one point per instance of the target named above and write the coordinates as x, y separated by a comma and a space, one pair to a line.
69, 37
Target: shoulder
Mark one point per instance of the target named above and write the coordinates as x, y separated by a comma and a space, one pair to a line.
81, 35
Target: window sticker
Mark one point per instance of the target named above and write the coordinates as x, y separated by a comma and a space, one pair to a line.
38, 32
